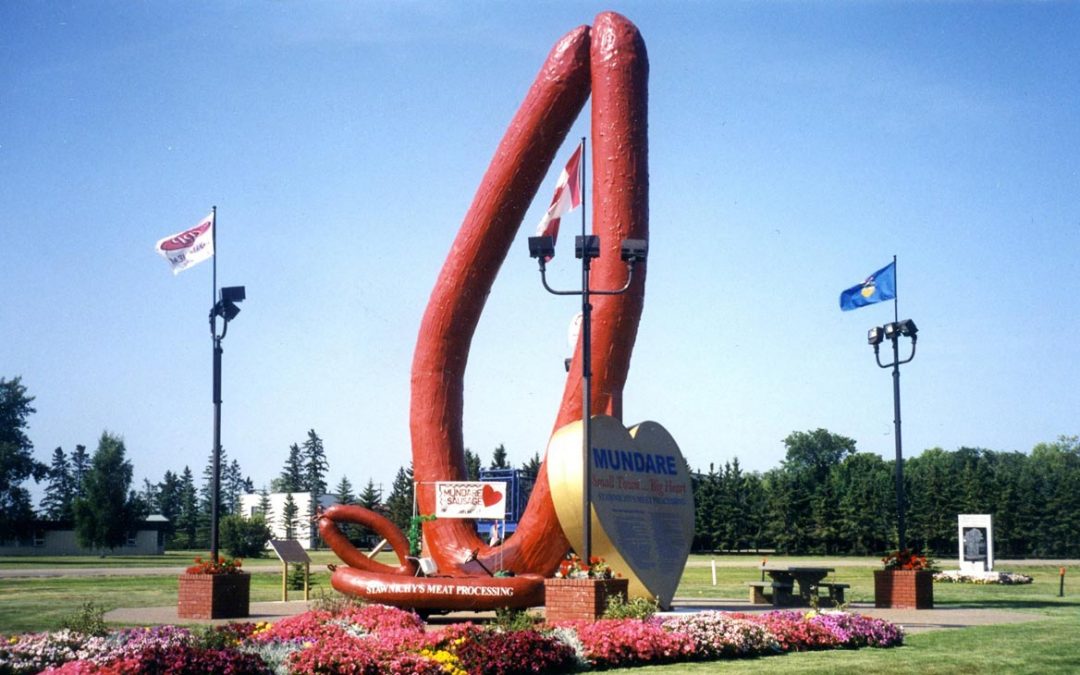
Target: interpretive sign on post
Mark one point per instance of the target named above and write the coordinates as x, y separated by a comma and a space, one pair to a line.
976, 533
290, 552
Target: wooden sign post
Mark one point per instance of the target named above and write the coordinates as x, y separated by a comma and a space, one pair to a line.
291, 552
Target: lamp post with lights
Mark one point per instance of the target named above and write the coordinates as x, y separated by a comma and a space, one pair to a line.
876, 335
587, 247
226, 308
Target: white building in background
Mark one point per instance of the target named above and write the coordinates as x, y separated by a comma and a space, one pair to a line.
304, 530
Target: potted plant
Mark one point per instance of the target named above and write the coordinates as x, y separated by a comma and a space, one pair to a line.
581, 591
212, 589
906, 582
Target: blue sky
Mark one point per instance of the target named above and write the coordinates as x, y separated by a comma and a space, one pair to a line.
795, 147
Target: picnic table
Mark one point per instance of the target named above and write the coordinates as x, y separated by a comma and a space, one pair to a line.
782, 582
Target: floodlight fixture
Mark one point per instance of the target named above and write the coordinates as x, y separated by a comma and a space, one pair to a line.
634, 250
226, 306
587, 246
875, 336
233, 294
542, 247
908, 328
892, 330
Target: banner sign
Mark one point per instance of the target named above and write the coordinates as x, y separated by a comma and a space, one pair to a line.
472, 499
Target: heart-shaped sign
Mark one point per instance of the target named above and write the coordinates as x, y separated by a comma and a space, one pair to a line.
491, 496
642, 500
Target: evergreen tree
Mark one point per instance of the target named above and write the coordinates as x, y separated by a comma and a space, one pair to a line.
17, 464
292, 475
704, 488
233, 486
498, 458
315, 465
59, 493
371, 497
472, 465
315, 468
399, 505
266, 509
169, 501
80, 465
187, 520
290, 515
106, 513
866, 507
343, 492
206, 496
531, 468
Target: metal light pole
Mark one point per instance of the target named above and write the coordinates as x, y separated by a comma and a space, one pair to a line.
893, 331
226, 308
587, 247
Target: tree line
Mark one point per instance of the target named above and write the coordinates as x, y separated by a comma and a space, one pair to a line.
825, 498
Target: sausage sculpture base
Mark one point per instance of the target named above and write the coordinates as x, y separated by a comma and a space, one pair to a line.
607, 61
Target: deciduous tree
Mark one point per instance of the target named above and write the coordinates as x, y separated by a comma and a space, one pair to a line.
17, 464
106, 513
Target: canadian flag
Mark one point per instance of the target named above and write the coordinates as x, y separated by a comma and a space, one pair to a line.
567, 196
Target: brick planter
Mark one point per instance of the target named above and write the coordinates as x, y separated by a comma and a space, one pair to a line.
580, 599
911, 589
214, 596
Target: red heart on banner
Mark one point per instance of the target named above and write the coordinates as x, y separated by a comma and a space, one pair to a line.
491, 496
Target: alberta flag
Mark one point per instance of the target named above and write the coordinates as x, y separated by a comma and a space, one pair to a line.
880, 285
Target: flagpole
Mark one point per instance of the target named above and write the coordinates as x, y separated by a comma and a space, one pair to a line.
896, 291
586, 380
215, 489
213, 240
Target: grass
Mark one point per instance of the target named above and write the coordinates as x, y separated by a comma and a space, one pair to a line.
1044, 646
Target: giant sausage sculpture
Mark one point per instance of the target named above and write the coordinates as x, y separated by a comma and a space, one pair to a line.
610, 60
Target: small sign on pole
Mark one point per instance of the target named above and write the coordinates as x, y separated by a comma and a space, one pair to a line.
470, 499
289, 551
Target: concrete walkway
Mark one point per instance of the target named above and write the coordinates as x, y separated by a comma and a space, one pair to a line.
913, 621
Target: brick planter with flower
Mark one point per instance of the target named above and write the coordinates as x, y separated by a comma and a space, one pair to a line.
580, 591
906, 582
214, 590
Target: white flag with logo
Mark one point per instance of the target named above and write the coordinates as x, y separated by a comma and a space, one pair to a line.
190, 247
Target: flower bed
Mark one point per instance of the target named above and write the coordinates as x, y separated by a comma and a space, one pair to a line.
958, 577
379, 639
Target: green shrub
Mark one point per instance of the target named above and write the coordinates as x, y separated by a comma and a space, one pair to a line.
637, 608
88, 620
295, 580
243, 537
508, 619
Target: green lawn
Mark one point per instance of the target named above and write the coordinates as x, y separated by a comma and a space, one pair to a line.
1044, 646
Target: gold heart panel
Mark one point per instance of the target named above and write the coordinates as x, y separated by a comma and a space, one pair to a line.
642, 501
